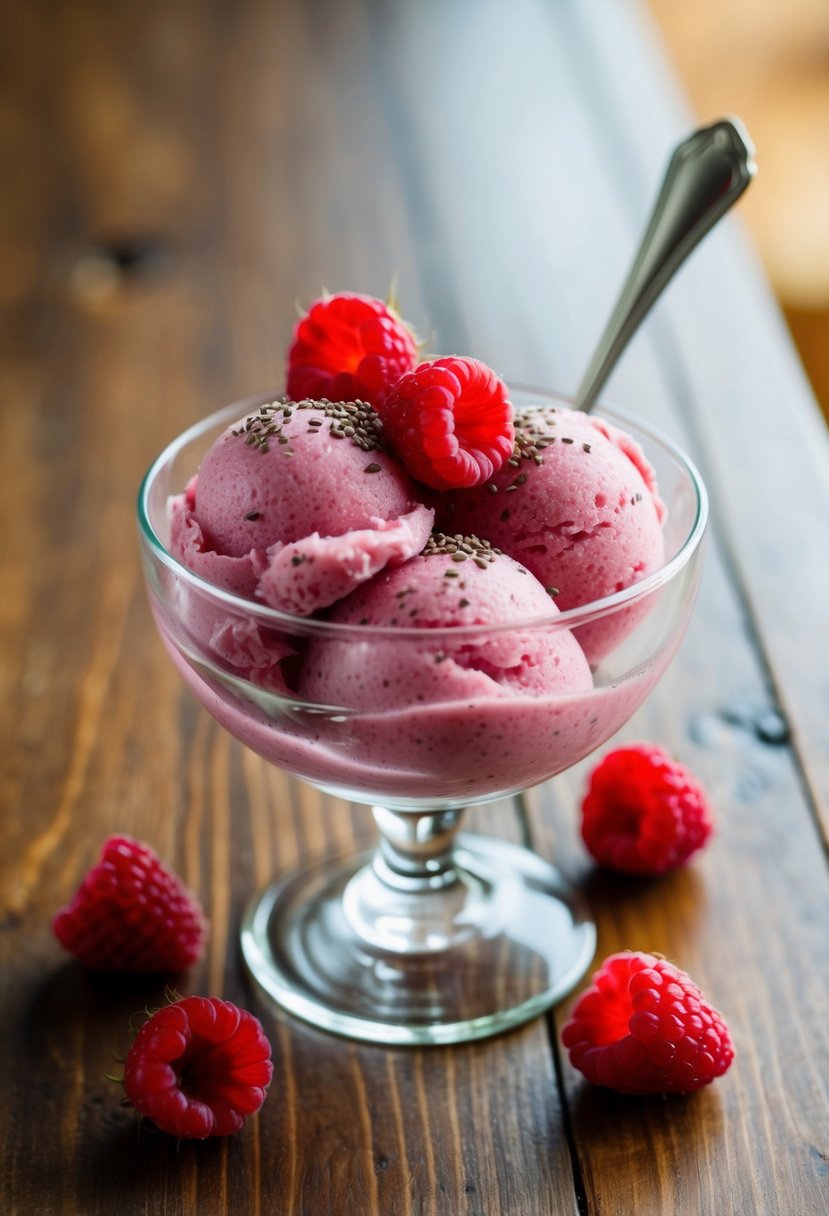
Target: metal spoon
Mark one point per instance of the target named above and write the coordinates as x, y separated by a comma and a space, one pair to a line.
707, 174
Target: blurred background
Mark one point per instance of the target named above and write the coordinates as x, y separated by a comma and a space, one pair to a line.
769, 63
766, 61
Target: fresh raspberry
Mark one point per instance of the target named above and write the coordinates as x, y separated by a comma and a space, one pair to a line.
450, 422
198, 1068
348, 348
645, 1028
643, 812
131, 913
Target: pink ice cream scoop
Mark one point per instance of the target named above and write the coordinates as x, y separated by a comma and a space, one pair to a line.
578, 505
298, 504
456, 582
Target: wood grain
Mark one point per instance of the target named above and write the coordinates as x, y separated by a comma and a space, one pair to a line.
115, 743
179, 177
730, 727
764, 462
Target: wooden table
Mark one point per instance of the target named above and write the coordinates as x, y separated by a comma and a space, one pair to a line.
178, 176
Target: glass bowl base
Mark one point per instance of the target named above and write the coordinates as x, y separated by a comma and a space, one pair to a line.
519, 939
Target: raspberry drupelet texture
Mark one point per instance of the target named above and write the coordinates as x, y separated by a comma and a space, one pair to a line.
644, 813
349, 347
132, 913
645, 1028
451, 422
198, 1068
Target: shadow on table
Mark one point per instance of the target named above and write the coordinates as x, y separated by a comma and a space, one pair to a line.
74, 1008
647, 913
624, 1136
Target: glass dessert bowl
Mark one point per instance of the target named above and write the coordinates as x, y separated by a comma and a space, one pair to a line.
436, 936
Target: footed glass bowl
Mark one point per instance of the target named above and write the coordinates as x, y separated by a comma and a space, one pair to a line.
435, 937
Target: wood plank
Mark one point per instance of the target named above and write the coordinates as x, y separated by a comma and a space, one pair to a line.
734, 370
750, 941
251, 156
747, 920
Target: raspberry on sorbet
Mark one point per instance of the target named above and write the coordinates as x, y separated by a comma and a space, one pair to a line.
451, 422
349, 347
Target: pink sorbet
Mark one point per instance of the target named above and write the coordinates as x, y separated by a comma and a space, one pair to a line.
579, 506
298, 504
451, 586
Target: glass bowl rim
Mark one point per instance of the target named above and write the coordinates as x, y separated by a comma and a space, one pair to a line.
288, 622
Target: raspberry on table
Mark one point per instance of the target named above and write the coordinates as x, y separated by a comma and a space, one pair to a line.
198, 1068
645, 1028
451, 422
348, 347
132, 913
644, 813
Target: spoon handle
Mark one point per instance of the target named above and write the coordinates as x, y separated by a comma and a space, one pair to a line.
706, 174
